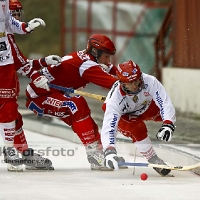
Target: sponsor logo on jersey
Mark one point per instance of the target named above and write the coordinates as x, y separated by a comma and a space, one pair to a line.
2, 34
71, 105
59, 114
53, 102
125, 107
135, 99
3, 46
7, 93
160, 102
15, 23
112, 130
57, 103
3, 58
25, 69
145, 102
145, 86
82, 55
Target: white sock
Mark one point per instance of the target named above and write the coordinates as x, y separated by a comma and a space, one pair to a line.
8, 132
145, 148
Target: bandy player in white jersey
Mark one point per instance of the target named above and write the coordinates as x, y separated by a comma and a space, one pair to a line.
135, 98
9, 79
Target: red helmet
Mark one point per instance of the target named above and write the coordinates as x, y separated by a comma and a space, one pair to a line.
15, 5
128, 72
99, 43
16, 8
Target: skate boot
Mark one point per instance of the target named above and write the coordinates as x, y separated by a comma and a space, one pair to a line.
34, 161
95, 156
156, 160
13, 160
96, 159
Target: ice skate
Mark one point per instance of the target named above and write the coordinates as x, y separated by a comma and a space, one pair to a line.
12, 168
12, 158
156, 160
95, 157
34, 161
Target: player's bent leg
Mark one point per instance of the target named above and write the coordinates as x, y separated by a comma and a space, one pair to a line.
87, 130
90, 138
146, 149
137, 131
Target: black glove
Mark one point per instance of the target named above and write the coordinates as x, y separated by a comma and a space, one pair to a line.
166, 132
111, 158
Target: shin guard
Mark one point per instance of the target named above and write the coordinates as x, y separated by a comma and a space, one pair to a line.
86, 131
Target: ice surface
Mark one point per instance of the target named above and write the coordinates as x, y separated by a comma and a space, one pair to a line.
72, 178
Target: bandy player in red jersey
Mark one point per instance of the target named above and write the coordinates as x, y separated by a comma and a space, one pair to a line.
135, 98
13, 61
77, 70
31, 160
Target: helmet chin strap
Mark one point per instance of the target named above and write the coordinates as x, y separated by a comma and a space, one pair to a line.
129, 92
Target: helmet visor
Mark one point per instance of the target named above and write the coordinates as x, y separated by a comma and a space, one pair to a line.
18, 14
133, 87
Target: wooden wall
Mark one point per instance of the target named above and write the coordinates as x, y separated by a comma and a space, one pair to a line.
186, 33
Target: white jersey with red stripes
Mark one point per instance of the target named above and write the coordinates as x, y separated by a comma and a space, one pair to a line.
8, 24
119, 103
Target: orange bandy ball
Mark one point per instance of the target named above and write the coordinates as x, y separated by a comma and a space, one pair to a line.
144, 176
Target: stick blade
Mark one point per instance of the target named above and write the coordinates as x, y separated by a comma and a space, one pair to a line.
179, 168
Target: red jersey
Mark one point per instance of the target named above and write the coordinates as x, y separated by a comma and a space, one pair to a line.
75, 71
22, 65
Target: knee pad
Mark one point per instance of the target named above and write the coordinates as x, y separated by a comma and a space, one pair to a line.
86, 130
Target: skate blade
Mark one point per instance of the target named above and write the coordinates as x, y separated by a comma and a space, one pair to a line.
30, 168
12, 168
169, 175
98, 168
123, 167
